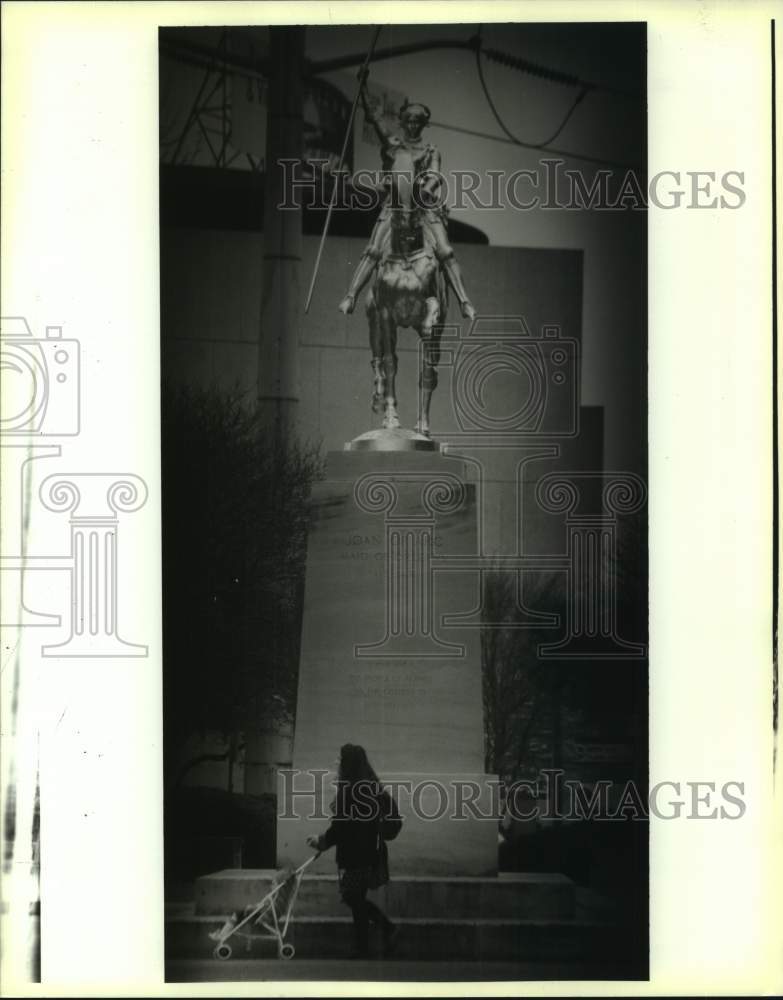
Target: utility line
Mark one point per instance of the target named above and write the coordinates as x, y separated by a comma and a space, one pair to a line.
497, 55
553, 75
573, 81
526, 145
200, 55
532, 145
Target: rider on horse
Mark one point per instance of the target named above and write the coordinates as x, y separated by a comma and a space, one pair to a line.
400, 154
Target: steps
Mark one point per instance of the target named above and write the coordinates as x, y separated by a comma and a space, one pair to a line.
510, 897
432, 939
519, 917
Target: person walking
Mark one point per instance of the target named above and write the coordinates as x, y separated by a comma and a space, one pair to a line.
356, 831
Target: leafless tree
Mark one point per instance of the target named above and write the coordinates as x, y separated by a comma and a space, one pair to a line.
235, 514
516, 681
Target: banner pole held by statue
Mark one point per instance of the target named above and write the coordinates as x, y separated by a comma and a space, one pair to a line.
362, 76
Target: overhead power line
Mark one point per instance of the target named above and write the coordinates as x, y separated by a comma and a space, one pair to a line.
532, 145
257, 69
566, 153
553, 75
525, 66
471, 44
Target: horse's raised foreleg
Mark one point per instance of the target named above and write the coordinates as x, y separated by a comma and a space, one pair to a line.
389, 338
430, 334
376, 348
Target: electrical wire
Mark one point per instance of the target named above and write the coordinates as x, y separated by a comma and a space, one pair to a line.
559, 77
546, 73
497, 55
550, 149
505, 59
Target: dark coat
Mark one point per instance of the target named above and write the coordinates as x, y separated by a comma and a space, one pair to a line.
355, 829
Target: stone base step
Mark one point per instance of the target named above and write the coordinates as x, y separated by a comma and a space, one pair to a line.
428, 939
513, 896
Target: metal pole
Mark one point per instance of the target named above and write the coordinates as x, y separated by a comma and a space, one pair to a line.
333, 198
278, 346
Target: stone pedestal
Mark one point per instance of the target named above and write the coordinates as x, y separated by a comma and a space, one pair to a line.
380, 669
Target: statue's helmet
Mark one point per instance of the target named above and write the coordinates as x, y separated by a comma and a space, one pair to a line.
410, 109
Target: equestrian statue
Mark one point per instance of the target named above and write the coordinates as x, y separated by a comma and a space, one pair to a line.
408, 261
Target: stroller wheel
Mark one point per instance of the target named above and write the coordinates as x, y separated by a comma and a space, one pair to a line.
223, 952
287, 951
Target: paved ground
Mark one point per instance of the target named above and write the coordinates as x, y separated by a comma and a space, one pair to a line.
320, 970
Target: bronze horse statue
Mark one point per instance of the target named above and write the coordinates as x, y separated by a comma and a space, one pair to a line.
408, 290
409, 260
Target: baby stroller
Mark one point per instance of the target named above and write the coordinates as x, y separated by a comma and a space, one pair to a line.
272, 914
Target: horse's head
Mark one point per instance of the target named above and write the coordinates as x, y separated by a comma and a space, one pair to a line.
407, 235
405, 215
406, 227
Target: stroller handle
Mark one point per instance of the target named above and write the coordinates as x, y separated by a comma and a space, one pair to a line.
309, 861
